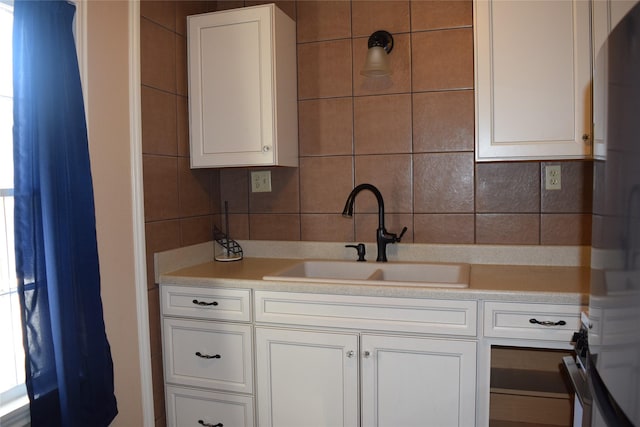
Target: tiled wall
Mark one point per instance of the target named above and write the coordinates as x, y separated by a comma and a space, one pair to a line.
180, 204
411, 136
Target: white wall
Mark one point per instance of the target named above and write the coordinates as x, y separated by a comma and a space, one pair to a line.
108, 106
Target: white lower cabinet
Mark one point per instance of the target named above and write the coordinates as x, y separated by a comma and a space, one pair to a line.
306, 378
191, 407
417, 381
208, 361
344, 360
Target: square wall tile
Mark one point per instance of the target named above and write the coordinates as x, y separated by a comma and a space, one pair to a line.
195, 189
508, 229
367, 226
399, 59
159, 236
382, 124
159, 126
508, 187
155, 335
325, 127
442, 60
160, 12
234, 189
274, 226
284, 195
160, 179
182, 71
326, 228
391, 174
565, 229
433, 15
325, 183
197, 229
157, 56
229, 4
287, 6
444, 228
443, 183
182, 125
323, 20
576, 194
324, 69
238, 226
370, 16
443, 121
185, 8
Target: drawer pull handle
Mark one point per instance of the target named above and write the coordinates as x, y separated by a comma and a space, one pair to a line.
202, 423
208, 356
214, 303
548, 322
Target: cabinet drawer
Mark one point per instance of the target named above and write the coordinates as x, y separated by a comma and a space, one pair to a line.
553, 322
207, 354
431, 316
206, 303
188, 407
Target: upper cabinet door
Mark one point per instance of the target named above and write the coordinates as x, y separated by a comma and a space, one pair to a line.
533, 79
242, 88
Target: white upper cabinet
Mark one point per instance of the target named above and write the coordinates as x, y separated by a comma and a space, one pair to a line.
533, 79
243, 88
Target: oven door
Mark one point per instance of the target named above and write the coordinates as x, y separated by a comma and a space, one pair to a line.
582, 402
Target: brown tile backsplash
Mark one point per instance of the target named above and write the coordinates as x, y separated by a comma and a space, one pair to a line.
410, 134
324, 69
382, 124
443, 183
391, 174
508, 187
370, 16
325, 127
434, 14
443, 121
323, 20
442, 60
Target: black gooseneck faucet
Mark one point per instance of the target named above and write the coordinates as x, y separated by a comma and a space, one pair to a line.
382, 236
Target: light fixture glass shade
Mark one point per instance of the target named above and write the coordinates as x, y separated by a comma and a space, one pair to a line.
377, 63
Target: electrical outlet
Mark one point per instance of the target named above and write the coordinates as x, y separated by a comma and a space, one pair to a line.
552, 177
261, 181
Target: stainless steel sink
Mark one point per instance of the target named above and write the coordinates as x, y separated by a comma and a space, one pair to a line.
369, 273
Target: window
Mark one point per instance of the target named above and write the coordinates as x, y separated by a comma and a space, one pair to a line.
12, 390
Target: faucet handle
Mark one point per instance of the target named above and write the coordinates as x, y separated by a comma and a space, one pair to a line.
361, 250
404, 230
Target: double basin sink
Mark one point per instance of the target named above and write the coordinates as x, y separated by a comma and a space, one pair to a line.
432, 275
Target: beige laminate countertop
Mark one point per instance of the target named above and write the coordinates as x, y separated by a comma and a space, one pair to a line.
560, 285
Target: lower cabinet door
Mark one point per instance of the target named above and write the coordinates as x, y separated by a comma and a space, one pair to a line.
409, 381
191, 407
306, 378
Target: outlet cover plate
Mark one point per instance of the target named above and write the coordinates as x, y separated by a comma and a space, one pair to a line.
260, 181
552, 177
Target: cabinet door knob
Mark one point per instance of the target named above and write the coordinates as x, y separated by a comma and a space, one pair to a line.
366, 353
350, 354
585, 137
266, 148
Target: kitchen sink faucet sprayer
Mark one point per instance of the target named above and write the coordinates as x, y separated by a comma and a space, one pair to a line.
382, 236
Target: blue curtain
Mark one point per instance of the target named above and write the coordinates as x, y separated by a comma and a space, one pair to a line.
69, 370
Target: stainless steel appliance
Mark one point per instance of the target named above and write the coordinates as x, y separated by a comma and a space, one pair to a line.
608, 347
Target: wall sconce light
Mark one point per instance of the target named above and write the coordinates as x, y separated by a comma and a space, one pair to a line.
377, 64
